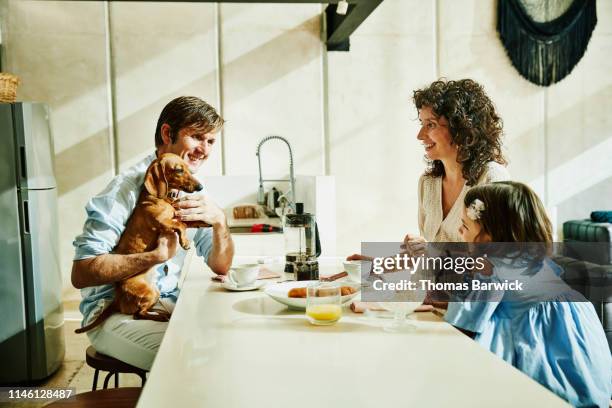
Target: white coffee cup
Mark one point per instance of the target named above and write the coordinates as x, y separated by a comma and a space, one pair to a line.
353, 268
243, 275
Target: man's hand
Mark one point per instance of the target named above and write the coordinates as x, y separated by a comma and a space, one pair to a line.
110, 268
199, 207
167, 245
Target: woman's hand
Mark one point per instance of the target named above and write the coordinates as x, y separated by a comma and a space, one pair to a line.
413, 245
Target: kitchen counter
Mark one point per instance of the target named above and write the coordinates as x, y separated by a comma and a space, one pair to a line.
243, 349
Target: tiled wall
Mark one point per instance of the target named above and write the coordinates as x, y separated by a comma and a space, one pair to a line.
347, 114
271, 78
58, 51
579, 129
159, 51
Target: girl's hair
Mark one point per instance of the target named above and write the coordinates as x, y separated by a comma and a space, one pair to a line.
512, 212
474, 125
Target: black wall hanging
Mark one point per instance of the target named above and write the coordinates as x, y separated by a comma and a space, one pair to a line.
545, 39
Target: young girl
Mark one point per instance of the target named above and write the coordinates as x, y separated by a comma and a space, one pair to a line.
558, 342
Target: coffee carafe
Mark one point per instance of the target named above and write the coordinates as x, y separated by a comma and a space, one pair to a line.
302, 245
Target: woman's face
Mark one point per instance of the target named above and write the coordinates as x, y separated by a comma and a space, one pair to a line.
471, 231
435, 136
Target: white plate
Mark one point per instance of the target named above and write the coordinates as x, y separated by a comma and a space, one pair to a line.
230, 286
279, 293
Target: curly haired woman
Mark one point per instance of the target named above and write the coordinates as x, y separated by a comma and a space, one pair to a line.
461, 133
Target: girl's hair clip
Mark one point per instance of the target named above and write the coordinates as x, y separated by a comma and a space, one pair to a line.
474, 211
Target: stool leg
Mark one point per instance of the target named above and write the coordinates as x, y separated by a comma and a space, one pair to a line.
95, 380
117, 379
108, 376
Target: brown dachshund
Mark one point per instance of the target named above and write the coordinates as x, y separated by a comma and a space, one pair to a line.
152, 215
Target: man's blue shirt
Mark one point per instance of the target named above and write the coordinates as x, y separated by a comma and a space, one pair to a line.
107, 214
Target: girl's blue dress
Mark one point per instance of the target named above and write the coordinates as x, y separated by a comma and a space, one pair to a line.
559, 342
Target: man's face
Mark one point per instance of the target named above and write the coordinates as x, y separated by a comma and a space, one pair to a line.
192, 144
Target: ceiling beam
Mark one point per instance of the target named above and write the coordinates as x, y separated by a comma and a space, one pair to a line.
243, 1
339, 27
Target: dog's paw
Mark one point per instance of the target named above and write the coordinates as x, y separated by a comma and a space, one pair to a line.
186, 245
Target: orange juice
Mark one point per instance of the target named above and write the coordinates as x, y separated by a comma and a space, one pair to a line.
324, 314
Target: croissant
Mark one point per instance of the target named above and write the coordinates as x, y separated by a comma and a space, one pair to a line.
297, 293
347, 290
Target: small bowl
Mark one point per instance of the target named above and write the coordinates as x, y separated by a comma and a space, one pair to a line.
353, 268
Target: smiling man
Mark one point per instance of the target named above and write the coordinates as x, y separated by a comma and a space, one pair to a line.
188, 127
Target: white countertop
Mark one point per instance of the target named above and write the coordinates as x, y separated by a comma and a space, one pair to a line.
243, 349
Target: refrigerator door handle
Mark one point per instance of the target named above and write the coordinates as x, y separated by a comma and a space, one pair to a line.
26, 217
22, 162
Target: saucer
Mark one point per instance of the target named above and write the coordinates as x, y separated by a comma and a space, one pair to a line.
231, 287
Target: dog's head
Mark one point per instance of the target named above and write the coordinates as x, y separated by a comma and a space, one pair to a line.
169, 172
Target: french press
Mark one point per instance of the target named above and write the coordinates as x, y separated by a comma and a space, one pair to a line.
302, 245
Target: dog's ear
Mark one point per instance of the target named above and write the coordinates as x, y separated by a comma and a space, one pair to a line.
155, 180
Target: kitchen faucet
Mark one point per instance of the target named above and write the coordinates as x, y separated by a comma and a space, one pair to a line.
260, 192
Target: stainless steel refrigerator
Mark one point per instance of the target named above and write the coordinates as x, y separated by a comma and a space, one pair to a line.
31, 315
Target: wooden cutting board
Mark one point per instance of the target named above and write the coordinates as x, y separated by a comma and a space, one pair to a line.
248, 222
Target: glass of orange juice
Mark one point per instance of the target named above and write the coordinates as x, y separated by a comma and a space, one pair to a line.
323, 303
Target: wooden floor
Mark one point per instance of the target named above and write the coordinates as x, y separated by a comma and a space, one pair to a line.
74, 372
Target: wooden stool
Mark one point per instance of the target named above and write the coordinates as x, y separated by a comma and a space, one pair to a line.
115, 397
103, 362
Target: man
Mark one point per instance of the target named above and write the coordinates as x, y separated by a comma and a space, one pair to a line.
187, 126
